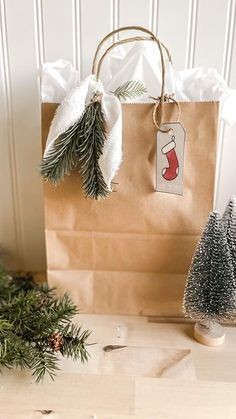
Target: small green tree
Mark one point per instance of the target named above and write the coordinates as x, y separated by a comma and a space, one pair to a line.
210, 291
229, 219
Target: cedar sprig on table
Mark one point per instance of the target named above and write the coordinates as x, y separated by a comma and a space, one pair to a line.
35, 327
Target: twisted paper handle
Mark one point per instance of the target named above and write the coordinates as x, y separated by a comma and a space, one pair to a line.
96, 68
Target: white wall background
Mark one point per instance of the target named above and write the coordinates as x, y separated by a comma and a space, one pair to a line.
198, 33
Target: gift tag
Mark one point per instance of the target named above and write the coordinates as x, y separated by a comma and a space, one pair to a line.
170, 159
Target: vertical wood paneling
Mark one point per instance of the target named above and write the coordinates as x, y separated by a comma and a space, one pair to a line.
198, 33
25, 125
134, 12
58, 27
77, 41
95, 23
39, 34
172, 28
229, 41
226, 168
115, 16
210, 33
153, 15
191, 36
232, 75
9, 230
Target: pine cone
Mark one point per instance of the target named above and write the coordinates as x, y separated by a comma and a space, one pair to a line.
56, 341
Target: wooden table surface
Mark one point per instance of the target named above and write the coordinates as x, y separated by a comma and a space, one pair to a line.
162, 373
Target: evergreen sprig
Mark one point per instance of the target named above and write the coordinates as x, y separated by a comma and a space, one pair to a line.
92, 134
80, 147
62, 156
35, 326
44, 362
72, 348
130, 90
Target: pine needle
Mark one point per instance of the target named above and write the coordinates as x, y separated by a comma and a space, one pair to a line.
62, 156
80, 146
130, 90
92, 134
44, 363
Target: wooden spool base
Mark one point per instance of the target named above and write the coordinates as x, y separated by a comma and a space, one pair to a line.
213, 336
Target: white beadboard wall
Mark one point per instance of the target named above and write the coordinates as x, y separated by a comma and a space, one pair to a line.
198, 33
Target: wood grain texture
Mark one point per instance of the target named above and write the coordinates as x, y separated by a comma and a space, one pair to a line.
196, 381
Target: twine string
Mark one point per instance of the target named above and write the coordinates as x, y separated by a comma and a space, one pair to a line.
167, 98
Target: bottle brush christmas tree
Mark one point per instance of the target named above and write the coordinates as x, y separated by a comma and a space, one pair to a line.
35, 327
229, 219
210, 291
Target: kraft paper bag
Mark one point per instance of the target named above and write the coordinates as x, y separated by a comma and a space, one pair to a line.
130, 253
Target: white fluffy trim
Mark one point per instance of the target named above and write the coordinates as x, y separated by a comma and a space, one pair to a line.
71, 110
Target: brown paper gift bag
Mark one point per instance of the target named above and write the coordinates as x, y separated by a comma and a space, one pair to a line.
130, 253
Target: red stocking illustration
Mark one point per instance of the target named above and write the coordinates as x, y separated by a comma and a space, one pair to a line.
171, 172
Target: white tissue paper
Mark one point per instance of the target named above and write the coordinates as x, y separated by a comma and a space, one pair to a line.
141, 62
57, 80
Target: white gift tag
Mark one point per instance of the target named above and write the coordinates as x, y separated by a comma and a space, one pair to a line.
170, 159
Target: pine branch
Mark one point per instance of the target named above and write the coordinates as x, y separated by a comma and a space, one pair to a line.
14, 351
4, 359
54, 315
62, 156
12, 285
74, 343
5, 326
130, 90
44, 363
92, 133
35, 325
82, 145
5, 285
21, 311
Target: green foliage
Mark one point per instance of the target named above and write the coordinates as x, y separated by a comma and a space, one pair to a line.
130, 90
229, 219
80, 147
35, 327
72, 348
92, 133
210, 291
61, 157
